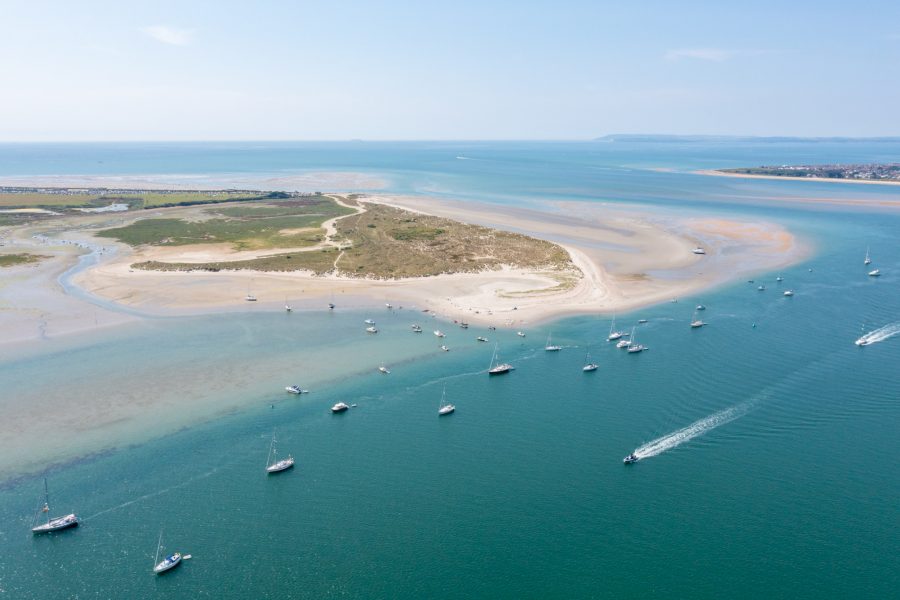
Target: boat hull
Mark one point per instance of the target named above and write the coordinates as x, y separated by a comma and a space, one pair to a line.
167, 565
57, 524
280, 466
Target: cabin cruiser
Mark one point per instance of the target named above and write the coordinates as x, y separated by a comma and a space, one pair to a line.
296, 389
369, 321
788, 292
631, 458
169, 562
698, 250
371, 329
875, 273
446, 409
339, 407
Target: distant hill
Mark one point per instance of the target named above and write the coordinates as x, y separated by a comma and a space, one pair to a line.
682, 139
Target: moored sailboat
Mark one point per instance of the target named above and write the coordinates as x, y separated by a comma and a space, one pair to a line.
496, 367
169, 562
53, 523
273, 465
445, 408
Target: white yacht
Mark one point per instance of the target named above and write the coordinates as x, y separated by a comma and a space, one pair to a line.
439, 333
53, 523
550, 346
371, 329
788, 292
496, 367
369, 321
631, 458
875, 273
273, 465
520, 333
698, 250
169, 562
384, 369
445, 409
695, 322
634, 346
339, 407
295, 389
700, 307
613, 334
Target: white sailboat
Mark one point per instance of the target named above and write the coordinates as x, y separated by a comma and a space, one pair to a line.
384, 369
550, 346
273, 465
53, 523
613, 333
445, 409
588, 364
634, 347
287, 306
169, 562
867, 260
696, 322
496, 367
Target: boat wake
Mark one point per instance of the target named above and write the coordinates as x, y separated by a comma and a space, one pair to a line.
695, 429
879, 335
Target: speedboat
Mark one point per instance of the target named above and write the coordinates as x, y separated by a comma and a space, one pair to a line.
631, 458
481, 338
339, 407
445, 348
788, 292
439, 333
169, 562
282, 465
55, 524
371, 329
296, 389
700, 307
642, 321
369, 321
520, 333
590, 367
384, 370
875, 273
779, 279
623, 344
417, 328
698, 250
862, 342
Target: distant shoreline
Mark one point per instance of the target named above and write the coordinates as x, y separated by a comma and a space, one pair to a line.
717, 173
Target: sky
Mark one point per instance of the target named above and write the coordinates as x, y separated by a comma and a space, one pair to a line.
277, 70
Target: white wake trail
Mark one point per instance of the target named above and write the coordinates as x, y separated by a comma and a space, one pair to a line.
695, 429
880, 334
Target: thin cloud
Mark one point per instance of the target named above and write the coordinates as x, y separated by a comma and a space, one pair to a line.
169, 35
709, 54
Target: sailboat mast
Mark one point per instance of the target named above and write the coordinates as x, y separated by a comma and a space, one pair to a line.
46, 501
158, 546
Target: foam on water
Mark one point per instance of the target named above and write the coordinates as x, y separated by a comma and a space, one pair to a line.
880, 334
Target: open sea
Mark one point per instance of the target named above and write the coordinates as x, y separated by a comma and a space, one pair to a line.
770, 442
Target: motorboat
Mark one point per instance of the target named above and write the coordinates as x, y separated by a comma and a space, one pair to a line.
698, 250
445, 348
331, 306
388, 305
369, 321
642, 321
339, 407
520, 333
761, 288
590, 367
371, 329
296, 389
53, 523
875, 273
631, 458
248, 298
779, 279
439, 333
700, 307
863, 341
481, 338
464, 325
417, 328
788, 292
384, 369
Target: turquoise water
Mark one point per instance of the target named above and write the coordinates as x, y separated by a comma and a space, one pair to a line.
789, 490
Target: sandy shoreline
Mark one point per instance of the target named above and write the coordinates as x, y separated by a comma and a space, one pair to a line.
626, 258
781, 178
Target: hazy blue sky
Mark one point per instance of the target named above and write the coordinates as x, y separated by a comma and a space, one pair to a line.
92, 70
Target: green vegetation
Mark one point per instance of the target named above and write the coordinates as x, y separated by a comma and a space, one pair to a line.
286, 224
136, 199
12, 260
387, 243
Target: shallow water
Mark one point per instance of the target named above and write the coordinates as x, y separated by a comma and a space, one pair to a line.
780, 479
